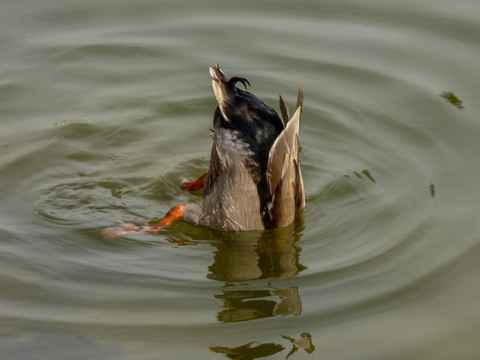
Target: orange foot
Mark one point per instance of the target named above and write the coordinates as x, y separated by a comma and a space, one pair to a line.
130, 228
195, 184
189, 186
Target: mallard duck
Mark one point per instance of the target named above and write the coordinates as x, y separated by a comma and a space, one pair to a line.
254, 181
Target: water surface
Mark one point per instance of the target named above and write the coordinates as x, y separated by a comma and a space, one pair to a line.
106, 107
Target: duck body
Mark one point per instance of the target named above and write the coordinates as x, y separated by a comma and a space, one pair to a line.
254, 180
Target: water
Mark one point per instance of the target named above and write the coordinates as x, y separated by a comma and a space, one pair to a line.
105, 107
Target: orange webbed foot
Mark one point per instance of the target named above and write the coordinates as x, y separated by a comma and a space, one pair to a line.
129, 228
190, 186
173, 214
195, 184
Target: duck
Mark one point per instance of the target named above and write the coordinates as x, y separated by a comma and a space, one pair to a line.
254, 180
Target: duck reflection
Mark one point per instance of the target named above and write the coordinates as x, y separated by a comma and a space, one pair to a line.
241, 260
303, 342
243, 256
249, 352
452, 99
246, 256
255, 304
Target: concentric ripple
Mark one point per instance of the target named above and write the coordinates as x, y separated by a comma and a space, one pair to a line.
106, 108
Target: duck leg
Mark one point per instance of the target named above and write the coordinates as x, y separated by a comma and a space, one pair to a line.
173, 214
176, 212
129, 228
195, 184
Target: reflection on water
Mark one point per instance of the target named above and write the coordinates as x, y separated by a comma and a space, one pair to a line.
258, 255
246, 256
362, 174
249, 352
242, 305
452, 99
304, 342
246, 352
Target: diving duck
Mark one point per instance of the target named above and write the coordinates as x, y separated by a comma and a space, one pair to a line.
254, 181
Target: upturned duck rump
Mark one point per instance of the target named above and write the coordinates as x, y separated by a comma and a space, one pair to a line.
254, 181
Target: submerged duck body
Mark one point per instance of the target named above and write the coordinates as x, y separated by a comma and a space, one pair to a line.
254, 180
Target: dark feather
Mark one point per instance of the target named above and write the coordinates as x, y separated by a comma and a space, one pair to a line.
284, 111
231, 85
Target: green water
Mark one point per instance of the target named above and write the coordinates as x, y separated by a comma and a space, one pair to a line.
106, 106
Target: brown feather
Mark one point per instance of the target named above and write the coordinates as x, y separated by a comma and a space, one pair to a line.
284, 179
299, 99
219, 79
300, 190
